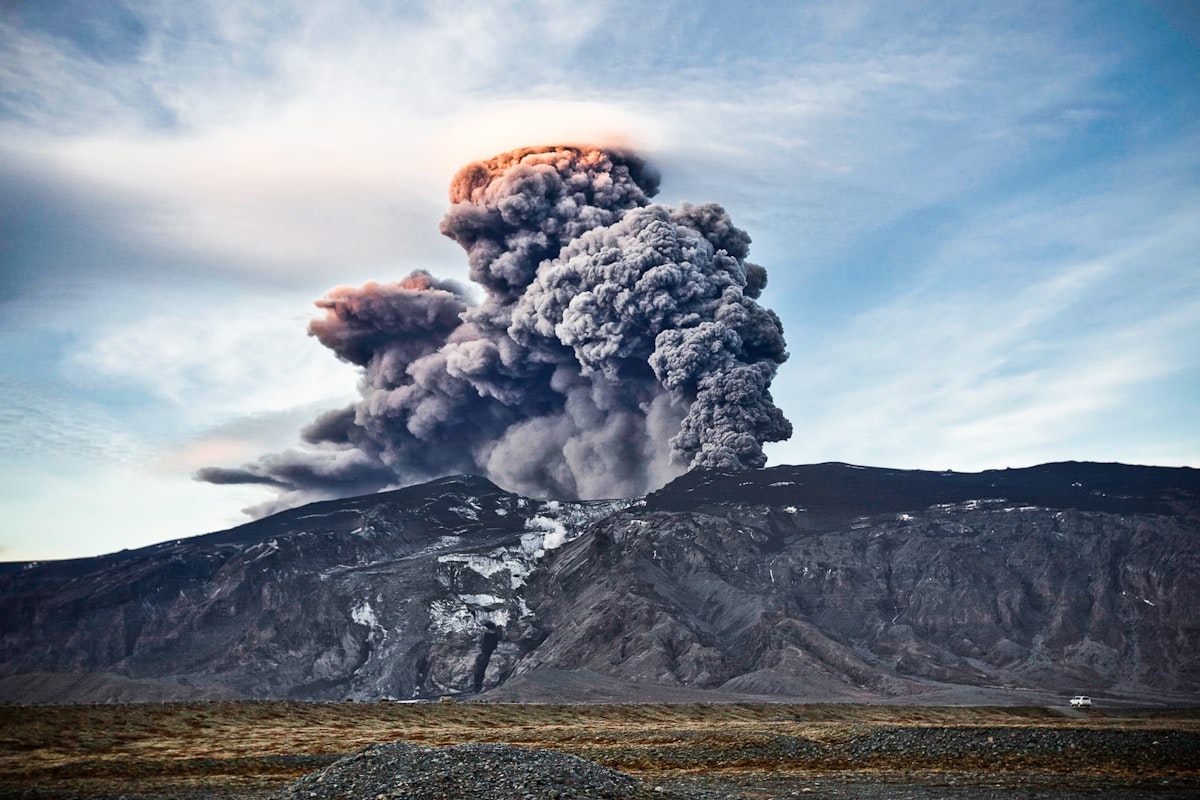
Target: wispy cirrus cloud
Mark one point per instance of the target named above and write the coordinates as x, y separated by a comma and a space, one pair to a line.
238, 355
1054, 326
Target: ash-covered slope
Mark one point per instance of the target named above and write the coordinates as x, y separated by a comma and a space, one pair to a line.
400, 594
832, 581
822, 582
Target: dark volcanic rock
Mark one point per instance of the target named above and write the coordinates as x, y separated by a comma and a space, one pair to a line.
476, 771
833, 581
392, 595
820, 582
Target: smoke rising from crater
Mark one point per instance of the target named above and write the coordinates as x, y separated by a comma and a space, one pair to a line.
618, 344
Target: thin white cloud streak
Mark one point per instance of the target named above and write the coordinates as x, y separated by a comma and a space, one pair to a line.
231, 357
38, 422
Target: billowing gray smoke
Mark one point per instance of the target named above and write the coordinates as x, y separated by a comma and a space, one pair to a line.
618, 344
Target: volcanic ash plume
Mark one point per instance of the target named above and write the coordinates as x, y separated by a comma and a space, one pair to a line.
618, 343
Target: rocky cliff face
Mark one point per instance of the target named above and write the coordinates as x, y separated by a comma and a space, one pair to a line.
824, 582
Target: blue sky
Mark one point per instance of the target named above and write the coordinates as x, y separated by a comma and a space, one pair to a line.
981, 221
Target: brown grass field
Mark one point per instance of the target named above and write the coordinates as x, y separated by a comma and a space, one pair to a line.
249, 749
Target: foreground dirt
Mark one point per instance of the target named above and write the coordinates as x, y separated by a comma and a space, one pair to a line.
251, 750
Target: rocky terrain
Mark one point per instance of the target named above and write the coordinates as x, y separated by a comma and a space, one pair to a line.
834, 582
822, 582
480, 771
392, 595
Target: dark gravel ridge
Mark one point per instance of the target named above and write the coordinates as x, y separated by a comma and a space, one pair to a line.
401, 771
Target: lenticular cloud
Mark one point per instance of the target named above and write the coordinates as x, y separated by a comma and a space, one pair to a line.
618, 344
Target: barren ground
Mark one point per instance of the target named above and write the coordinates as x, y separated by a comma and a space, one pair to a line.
250, 749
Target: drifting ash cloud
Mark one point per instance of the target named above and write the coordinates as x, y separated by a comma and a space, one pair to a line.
618, 344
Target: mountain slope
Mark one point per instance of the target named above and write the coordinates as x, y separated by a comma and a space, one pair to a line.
832, 581
822, 582
382, 596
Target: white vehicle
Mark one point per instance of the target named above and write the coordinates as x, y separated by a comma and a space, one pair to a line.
1081, 701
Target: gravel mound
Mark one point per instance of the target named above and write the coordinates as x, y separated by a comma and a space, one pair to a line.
401, 771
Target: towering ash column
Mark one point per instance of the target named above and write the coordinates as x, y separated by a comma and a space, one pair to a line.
617, 344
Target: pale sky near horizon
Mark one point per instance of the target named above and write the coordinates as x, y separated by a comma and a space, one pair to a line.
980, 221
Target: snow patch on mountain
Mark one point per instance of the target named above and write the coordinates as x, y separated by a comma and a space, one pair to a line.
364, 614
505, 569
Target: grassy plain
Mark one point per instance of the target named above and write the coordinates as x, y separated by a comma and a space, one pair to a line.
247, 749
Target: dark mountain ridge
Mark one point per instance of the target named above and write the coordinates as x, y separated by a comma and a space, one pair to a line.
834, 488
823, 582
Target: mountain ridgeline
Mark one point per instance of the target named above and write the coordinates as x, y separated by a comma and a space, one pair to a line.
826, 582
